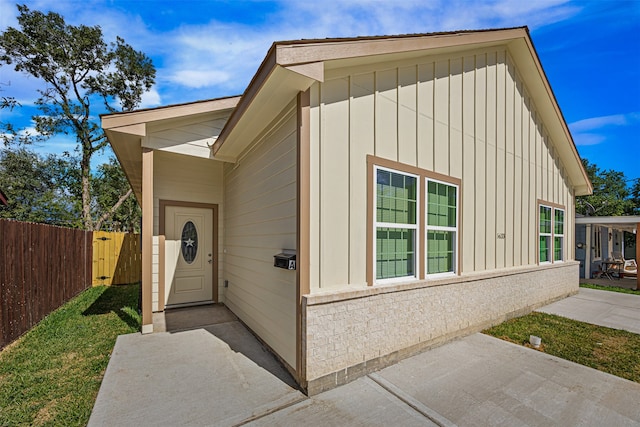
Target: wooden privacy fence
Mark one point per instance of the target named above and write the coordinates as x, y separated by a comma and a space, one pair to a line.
117, 258
44, 266
41, 268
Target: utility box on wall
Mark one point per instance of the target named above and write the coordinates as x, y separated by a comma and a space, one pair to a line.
286, 260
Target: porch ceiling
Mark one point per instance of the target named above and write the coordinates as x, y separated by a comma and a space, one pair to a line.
624, 223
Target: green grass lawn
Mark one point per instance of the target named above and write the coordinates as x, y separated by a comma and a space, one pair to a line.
51, 375
608, 350
610, 288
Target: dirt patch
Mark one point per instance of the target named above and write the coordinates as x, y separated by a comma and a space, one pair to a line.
46, 413
608, 346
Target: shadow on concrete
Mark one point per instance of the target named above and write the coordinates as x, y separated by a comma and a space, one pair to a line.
220, 322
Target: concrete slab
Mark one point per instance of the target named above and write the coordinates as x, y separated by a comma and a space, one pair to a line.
482, 381
359, 403
605, 308
189, 378
219, 374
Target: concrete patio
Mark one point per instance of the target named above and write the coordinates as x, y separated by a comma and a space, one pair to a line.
219, 374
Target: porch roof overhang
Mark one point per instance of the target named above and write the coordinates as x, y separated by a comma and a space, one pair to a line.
624, 223
293, 66
125, 131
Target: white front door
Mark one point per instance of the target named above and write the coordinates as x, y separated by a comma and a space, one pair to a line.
189, 255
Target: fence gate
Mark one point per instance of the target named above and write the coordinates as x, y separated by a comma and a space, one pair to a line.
117, 258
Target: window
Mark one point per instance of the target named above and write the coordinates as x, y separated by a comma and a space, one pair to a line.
558, 235
597, 242
545, 234
441, 226
551, 234
413, 222
396, 224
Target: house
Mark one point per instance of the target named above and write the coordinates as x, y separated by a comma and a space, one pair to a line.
602, 238
425, 184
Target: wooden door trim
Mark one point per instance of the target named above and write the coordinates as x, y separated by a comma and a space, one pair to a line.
161, 231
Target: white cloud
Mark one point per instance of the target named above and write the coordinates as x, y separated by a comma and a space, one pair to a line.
584, 139
585, 132
599, 122
219, 58
150, 99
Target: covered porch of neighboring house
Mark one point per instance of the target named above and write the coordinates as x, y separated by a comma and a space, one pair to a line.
608, 249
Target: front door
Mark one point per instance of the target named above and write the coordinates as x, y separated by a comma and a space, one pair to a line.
189, 255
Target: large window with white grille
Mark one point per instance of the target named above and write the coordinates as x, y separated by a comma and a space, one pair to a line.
414, 222
441, 226
396, 224
551, 234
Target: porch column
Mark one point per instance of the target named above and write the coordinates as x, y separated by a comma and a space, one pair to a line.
637, 255
302, 229
147, 238
587, 252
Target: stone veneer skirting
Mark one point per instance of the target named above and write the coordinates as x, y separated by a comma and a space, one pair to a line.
354, 332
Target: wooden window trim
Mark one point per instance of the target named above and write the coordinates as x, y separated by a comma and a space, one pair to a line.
372, 162
554, 207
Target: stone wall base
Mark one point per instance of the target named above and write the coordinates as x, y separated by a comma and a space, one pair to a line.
359, 334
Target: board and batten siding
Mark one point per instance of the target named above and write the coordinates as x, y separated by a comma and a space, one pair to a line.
260, 221
186, 179
468, 116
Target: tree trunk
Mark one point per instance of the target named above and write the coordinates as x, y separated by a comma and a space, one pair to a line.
86, 190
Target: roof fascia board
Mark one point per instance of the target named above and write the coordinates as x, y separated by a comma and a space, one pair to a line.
313, 70
139, 129
296, 53
115, 120
289, 54
556, 124
128, 151
258, 80
277, 92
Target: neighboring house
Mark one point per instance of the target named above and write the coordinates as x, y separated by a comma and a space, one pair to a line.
601, 238
426, 184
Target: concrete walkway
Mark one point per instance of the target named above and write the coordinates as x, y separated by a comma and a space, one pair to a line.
220, 375
611, 309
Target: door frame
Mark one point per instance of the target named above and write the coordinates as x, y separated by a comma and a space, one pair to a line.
161, 231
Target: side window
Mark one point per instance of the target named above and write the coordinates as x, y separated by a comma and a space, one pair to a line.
545, 233
441, 227
395, 224
558, 235
551, 234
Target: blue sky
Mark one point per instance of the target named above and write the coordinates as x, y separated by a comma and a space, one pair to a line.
203, 49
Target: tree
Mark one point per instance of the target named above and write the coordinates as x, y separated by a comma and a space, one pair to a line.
40, 189
635, 197
610, 193
79, 69
108, 184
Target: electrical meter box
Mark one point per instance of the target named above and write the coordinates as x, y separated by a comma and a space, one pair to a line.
286, 260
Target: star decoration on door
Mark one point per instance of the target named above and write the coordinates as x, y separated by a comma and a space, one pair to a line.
189, 242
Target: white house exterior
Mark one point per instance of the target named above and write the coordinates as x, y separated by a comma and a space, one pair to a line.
426, 183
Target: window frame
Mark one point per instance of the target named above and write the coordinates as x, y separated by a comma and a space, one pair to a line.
552, 235
454, 230
373, 164
397, 225
559, 236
